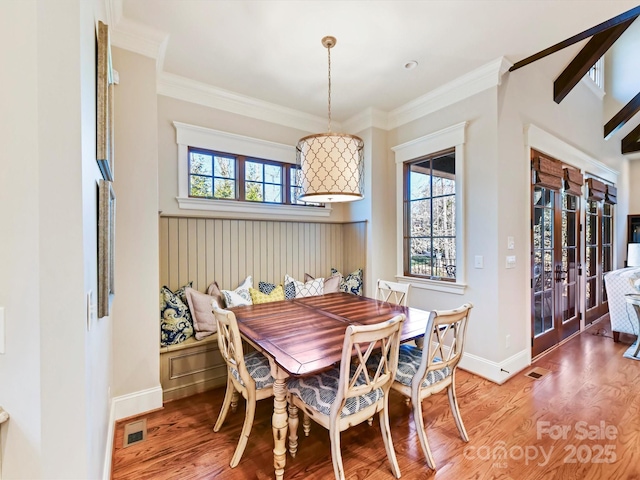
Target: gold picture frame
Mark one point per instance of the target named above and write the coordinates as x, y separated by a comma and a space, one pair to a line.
106, 246
104, 103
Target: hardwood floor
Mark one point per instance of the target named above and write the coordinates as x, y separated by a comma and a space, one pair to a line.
579, 421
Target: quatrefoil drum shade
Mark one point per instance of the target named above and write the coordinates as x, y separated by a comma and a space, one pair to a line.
331, 167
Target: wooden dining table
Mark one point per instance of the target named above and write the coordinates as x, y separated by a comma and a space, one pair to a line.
305, 335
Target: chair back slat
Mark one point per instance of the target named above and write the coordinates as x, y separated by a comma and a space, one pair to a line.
230, 343
392, 292
444, 340
360, 342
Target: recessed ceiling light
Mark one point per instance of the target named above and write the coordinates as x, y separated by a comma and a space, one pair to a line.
411, 65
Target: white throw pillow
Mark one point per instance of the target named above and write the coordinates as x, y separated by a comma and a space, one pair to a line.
305, 289
240, 296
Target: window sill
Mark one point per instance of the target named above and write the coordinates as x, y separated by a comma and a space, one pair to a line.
252, 208
437, 285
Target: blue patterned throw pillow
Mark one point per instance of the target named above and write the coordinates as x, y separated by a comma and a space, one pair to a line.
175, 318
266, 287
351, 283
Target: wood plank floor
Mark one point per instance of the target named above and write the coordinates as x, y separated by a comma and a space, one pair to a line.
580, 421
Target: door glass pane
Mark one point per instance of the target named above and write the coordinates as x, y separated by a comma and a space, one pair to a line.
547, 228
548, 270
548, 311
537, 272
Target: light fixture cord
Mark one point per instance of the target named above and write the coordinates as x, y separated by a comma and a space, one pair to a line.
329, 108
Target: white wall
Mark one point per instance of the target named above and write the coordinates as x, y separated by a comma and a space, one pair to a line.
136, 318
55, 370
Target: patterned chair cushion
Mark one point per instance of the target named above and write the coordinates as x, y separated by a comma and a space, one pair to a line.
319, 392
259, 369
408, 363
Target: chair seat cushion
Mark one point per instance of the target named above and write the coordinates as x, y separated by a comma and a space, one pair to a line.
319, 392
259, 369
409, 360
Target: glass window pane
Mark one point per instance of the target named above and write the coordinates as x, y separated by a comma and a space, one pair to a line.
224, 188
419, 186
444, 216
201, 186
420, 216
273, 193
547, 231
254, 171
443, 186
537, 271
200, 163
420, 256
224, 167
273, 174
253, 192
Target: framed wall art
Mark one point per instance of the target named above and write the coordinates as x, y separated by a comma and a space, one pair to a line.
104, 103
106, 246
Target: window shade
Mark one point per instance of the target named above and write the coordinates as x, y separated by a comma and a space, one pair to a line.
597, 189
547, 173
573, 181
611, 195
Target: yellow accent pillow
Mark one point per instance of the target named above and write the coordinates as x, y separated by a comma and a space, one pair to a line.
258, 297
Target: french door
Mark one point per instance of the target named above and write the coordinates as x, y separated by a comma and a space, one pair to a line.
598, 257
555, 267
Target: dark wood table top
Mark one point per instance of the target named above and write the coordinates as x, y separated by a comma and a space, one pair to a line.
305, 335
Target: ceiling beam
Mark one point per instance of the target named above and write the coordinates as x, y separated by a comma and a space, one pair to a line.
622, 117
586, 58
612, 22
631, 143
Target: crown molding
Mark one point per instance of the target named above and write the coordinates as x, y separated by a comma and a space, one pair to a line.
182, 88
135, 37
368, 118
482, 78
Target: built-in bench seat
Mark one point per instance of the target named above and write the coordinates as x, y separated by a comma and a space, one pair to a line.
191, 367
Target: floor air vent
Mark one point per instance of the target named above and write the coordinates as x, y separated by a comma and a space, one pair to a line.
536, 373
135, 432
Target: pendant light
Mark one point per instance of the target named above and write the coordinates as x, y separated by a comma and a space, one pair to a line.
331, 164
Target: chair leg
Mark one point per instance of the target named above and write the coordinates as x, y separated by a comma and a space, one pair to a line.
388, 441
246, 428
234, 401
422, 435
306, 424
293, 429
225, 405
336, 453
453, 402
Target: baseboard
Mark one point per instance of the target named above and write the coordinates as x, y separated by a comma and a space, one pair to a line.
493, 371
128, 406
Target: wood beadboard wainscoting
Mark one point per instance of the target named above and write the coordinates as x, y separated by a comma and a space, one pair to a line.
202, 250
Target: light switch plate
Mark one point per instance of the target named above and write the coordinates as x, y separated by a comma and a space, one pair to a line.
511, 261
479, 261
511, 244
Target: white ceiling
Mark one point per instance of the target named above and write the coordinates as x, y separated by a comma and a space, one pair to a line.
271, 50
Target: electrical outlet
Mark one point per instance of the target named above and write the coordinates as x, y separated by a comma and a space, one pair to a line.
479, 261
511, 261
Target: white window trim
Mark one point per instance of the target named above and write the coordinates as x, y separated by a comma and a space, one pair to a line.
596, 86
207, 138
453, 136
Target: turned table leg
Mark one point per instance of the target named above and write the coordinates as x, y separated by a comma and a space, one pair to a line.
279, 421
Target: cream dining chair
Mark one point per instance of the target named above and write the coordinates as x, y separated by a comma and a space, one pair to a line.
423, 372
392, 292
249, 374
349, 394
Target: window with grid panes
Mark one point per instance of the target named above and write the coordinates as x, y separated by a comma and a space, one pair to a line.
430, 220
224, 176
